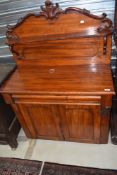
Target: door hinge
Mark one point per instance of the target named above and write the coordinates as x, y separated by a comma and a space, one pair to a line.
105, 110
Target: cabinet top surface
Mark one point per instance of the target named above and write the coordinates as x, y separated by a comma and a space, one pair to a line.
83, 79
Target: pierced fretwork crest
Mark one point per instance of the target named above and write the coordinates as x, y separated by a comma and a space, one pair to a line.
50, 10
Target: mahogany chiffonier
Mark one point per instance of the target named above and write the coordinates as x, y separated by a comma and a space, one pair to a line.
62, 88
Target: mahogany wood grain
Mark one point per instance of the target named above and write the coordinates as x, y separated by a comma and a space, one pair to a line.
22, 120
106, 101
52, 120
62, 52
69, 33
83, 123
44, 120
84, 79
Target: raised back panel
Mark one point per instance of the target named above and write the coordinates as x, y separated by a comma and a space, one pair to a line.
71, 36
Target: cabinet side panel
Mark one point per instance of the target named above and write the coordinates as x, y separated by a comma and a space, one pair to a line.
105, 118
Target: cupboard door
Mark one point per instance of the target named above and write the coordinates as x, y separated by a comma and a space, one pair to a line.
82, 123
42, 120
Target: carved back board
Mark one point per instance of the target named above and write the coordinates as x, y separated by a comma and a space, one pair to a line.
56, 36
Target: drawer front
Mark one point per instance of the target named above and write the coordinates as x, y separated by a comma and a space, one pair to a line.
38, 99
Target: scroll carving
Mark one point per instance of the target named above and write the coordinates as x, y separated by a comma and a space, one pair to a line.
50, 10
11, 37
105, 25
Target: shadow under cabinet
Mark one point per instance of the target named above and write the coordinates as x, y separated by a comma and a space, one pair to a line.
9, 125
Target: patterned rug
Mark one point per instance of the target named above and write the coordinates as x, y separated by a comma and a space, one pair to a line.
13, 166
58, 169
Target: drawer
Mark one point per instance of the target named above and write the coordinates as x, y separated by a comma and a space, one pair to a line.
84, 99
49, 99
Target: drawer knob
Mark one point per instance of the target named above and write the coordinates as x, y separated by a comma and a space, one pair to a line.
51, 71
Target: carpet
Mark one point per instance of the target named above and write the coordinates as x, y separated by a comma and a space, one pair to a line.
59, 169
13, 166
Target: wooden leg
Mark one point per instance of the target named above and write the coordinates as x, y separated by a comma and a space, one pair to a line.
13, 142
